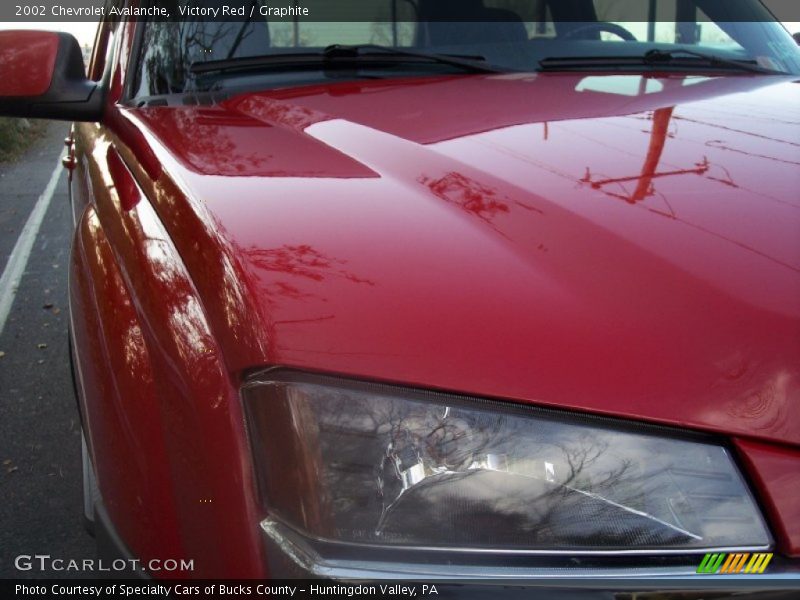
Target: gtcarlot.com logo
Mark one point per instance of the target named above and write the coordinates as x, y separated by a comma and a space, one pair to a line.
45, 562
737, 562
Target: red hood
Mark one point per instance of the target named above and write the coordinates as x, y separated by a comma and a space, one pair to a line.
554, 239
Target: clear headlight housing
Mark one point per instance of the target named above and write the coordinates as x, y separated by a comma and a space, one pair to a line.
374, 464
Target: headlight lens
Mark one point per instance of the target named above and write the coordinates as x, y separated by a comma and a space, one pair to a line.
381, 465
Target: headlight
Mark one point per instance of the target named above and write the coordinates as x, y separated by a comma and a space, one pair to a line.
375, 464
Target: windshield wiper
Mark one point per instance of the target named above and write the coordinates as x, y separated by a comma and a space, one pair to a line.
656, 56
672, 58
476, 64
340, 55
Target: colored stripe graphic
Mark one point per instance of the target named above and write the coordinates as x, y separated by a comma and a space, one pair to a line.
735, 563
710, 563
763, 562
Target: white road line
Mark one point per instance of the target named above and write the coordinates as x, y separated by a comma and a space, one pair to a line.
18, 260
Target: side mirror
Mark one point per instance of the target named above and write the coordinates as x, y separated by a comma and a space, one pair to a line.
42, 76
796, 37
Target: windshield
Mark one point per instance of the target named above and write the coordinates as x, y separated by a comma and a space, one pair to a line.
511, 35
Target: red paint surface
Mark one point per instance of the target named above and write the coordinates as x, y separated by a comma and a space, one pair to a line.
517, 237
385, 231
162, 414
27, 59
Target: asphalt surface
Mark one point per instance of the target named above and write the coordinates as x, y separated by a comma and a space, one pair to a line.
40, 460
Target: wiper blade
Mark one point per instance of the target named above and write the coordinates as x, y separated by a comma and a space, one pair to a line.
655, 57
476, 64
339, 55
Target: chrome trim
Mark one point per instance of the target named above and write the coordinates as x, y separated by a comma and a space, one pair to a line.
291, 556
90, 492
271, 523
313, 564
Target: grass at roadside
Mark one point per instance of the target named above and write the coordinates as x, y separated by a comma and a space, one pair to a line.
16, 135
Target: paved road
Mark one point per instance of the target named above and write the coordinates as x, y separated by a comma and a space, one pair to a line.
40, 474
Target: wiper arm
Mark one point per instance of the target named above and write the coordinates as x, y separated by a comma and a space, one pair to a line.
339, 55
476, 64
655, 57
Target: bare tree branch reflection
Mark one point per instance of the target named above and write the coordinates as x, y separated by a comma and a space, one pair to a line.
461, 471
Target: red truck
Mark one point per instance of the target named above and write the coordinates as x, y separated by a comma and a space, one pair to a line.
457, 290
